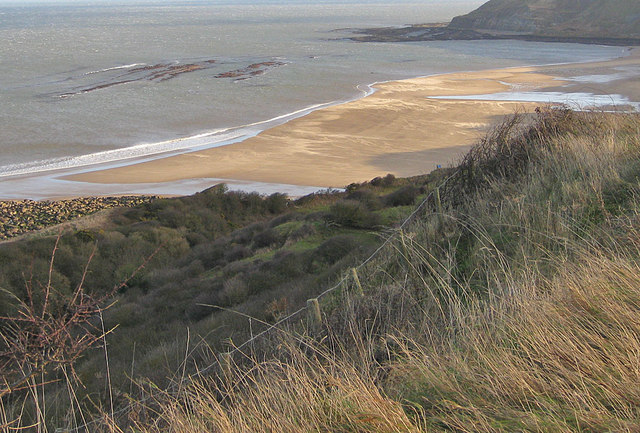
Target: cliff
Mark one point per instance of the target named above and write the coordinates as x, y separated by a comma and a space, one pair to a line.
555, 18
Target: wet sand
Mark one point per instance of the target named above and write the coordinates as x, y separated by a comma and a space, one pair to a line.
398, 129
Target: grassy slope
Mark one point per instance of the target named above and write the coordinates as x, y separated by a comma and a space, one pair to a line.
259, 256
517, 310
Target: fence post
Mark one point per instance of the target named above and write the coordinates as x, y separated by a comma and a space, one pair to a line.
354, 273
314, 317
226, 360
438, 205
438, 200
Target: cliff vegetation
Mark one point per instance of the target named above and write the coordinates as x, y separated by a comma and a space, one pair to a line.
508, 302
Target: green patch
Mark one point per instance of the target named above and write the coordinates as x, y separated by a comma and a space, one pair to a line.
393, 215
616, 197
289, 227
306, 244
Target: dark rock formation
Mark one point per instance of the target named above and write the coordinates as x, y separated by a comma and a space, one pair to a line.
250, 71
157, 73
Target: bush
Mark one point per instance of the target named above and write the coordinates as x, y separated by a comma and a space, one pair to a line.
266, 238
195, 311
276, 203
195, 239
335, 248
282, 219
386, 181
366, 197
238, 252
302, 232
261, 281
210, 254
245, 235
234, 291
404, 196
351, 213
286, 264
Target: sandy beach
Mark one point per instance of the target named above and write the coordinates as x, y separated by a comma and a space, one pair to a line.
399, 129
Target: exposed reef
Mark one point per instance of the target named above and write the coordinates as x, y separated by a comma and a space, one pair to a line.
150, 73
157, 73
250, 71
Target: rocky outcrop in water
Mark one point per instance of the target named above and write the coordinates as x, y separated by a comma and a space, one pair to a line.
156, 73
150, 73
250, 71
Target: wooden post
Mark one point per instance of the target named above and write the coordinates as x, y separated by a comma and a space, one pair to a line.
438, 205
356, 280
226, 359
314, 317
438, 200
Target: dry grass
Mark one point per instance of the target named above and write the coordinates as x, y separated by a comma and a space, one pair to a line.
540, 355
305, 393
518, 309
559, 354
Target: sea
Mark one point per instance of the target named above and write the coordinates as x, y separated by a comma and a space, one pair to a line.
104, 82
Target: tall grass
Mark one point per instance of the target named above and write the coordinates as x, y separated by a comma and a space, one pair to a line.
516, 309
558, 354
304, 393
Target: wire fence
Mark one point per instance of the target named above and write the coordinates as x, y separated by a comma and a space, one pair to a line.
280, 322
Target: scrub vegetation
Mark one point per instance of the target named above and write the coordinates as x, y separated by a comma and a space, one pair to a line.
510, 305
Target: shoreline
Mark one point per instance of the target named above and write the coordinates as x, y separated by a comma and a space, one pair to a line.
260, 158
349, 142
161, 149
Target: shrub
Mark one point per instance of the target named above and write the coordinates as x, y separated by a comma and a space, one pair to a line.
335, 248
276, 203
404, 196
302, 232
245, 235
171, 217
282, 219
234, 291
195, 239
266, 238
386, 181
276, 309
195, 311
210, 254
351, 213
261, 281
237, 252
286, 264
366, 197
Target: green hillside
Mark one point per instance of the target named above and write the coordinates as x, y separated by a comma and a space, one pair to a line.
569, 18
171, 271
509, 304
513, 310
